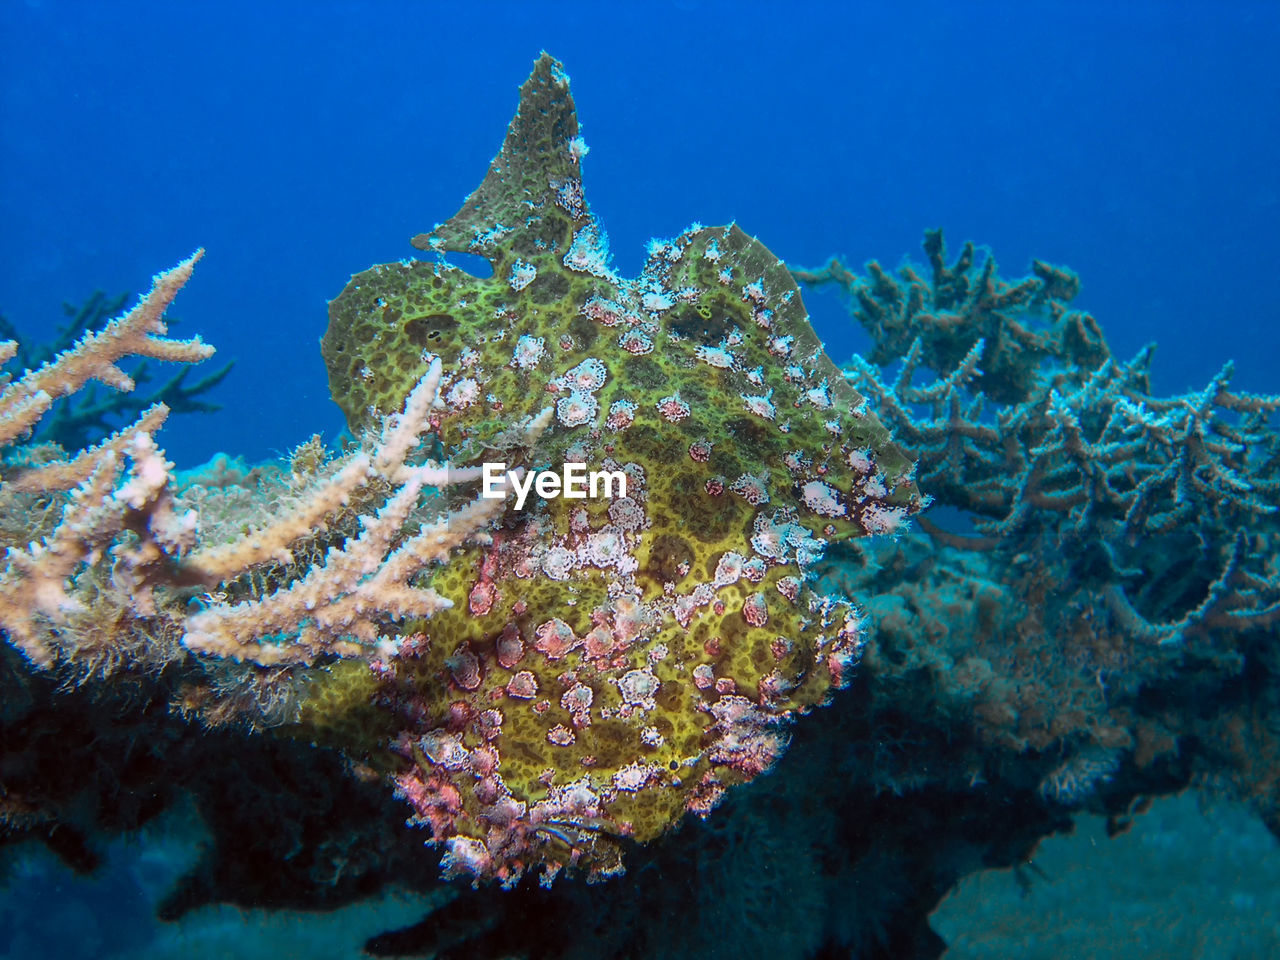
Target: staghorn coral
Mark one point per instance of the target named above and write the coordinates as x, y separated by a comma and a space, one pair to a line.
1020, 325
90, 413
611, 662
118, 549
337, 606
1082, 452
1105, 565
110, 586
101, 510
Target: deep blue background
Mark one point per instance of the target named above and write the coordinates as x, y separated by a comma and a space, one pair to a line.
301, 142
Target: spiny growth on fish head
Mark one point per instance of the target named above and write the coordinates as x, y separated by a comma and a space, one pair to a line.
612, 661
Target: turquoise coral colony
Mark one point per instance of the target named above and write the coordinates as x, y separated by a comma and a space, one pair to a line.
604, 540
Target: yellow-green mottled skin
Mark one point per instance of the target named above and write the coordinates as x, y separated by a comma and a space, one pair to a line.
705, 292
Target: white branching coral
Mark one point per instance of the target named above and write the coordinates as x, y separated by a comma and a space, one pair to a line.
139, 333
335, 606
120, 536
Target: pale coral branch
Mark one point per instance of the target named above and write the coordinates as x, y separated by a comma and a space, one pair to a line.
37, 582
161, 535
34, 580
334, 608
126, 526
213, 565
66, 474
308, 606
400, 435
337, 606
400, 431
139, 333
20, 411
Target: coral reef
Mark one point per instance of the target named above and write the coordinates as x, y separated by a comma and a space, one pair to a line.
312, 652
111, 584
1042, 642
1102, 564
594, 666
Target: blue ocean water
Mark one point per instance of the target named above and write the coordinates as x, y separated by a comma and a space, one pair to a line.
301, 142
